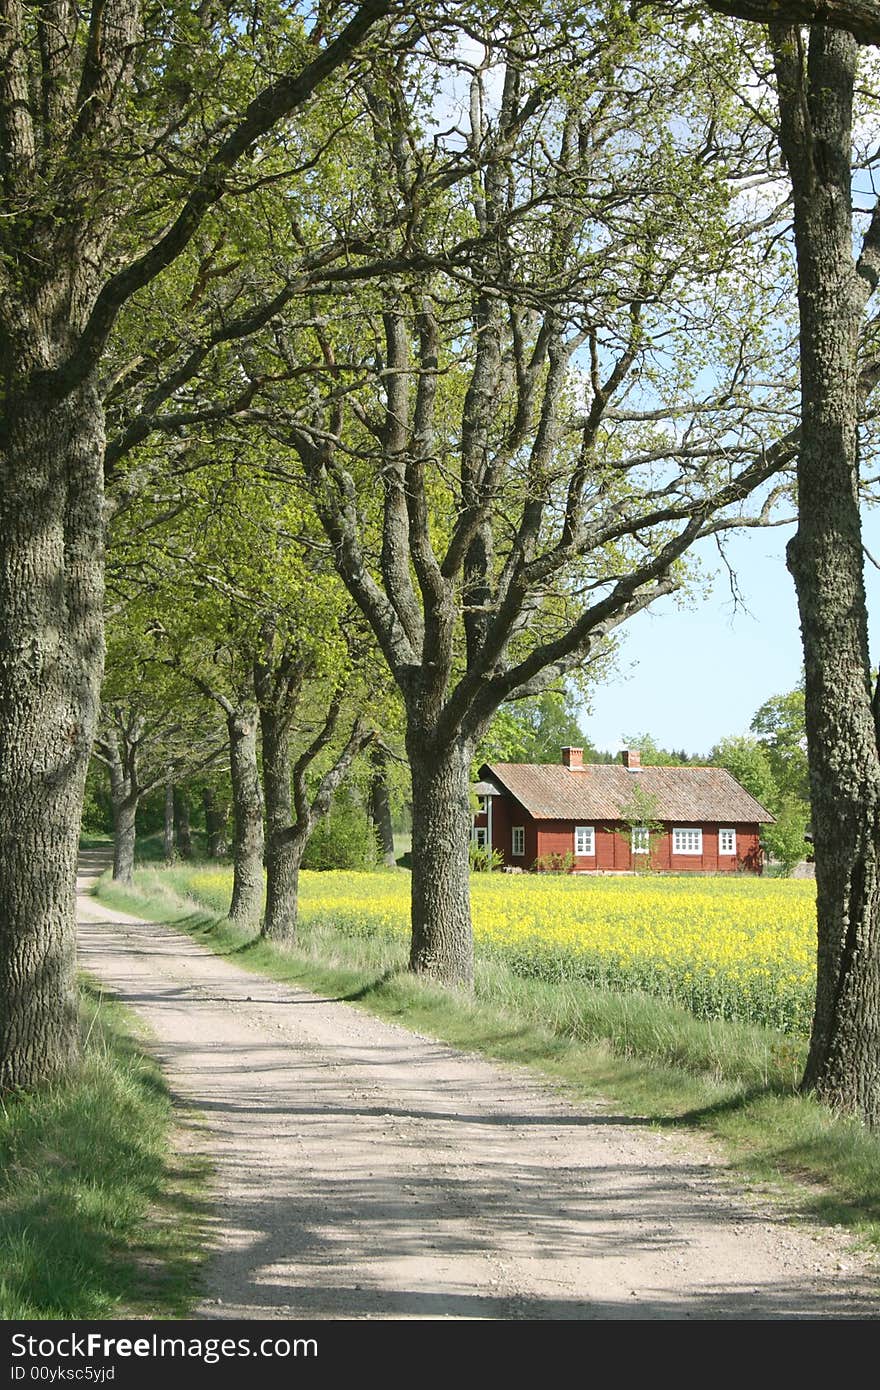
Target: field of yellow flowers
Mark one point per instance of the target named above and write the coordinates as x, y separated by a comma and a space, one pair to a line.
724, 948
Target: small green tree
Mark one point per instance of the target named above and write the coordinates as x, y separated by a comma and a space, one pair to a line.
781, 728
344, 839
785, 841
639, 816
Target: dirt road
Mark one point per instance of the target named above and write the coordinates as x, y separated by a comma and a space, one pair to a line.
366, 1172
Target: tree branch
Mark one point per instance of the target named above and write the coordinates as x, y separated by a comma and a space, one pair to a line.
860, 17
271, 105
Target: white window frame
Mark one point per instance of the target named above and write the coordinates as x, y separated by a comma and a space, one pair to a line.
481, 835
584, 841
727, 830
687, 839
483, 805
640, 840
518, 841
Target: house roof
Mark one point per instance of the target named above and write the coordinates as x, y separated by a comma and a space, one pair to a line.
604, 791
486, 789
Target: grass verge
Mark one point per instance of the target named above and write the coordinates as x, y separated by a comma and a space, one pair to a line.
649, 1059
98, 1218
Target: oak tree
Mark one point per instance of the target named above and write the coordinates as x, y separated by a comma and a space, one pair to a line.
817, 70
510, 451
121, 129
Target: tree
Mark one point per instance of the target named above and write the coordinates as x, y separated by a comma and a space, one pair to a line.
643, 826
815, 82
786, 840
380, 806
121, 132
534, 730
529, 503
769, 770
781, 727
245, 609
282, 673
816, 74
747, 760
148, 735
344, 839
652, 755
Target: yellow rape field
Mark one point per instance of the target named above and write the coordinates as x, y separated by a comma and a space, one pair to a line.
739, 948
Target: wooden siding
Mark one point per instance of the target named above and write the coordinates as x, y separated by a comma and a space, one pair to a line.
612, 844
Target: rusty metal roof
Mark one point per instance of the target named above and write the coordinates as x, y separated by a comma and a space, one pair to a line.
604, 791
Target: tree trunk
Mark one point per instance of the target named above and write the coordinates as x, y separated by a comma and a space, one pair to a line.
51, 659
247, 813
282, 866
825, 559
442, 940
122, 767
124, 832
380, 808
215, 823
183, 833
168, 834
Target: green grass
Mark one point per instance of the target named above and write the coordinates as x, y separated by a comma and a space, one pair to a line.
646, 1057
97, 840
98, 1217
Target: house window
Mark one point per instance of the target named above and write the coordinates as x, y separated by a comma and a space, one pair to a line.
481, 835
483, 803
640, 839
726, 841
518, 840
584, 840
686, 840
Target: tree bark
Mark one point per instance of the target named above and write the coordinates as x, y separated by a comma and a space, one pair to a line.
860, 17
442, 941
247, 813
51, 659
282, 866
825, 559
380, 808
183, 833
124, 836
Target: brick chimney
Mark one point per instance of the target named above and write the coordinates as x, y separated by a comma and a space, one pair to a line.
573, 758
632, 758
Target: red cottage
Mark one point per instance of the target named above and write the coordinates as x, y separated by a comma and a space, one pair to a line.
613, 818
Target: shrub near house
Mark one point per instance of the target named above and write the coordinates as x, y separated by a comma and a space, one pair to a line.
702, 820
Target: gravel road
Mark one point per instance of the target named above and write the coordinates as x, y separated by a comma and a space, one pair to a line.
363, 1171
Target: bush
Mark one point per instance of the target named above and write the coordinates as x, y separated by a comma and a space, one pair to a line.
555, 863
483, 858
344, 839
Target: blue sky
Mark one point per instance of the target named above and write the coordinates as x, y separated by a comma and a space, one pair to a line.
689, 677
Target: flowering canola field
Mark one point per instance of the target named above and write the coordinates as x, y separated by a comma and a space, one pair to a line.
723, 947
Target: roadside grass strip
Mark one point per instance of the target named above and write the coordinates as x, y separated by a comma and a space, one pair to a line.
99, 1217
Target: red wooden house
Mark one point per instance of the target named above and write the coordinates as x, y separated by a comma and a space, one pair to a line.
697, 819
